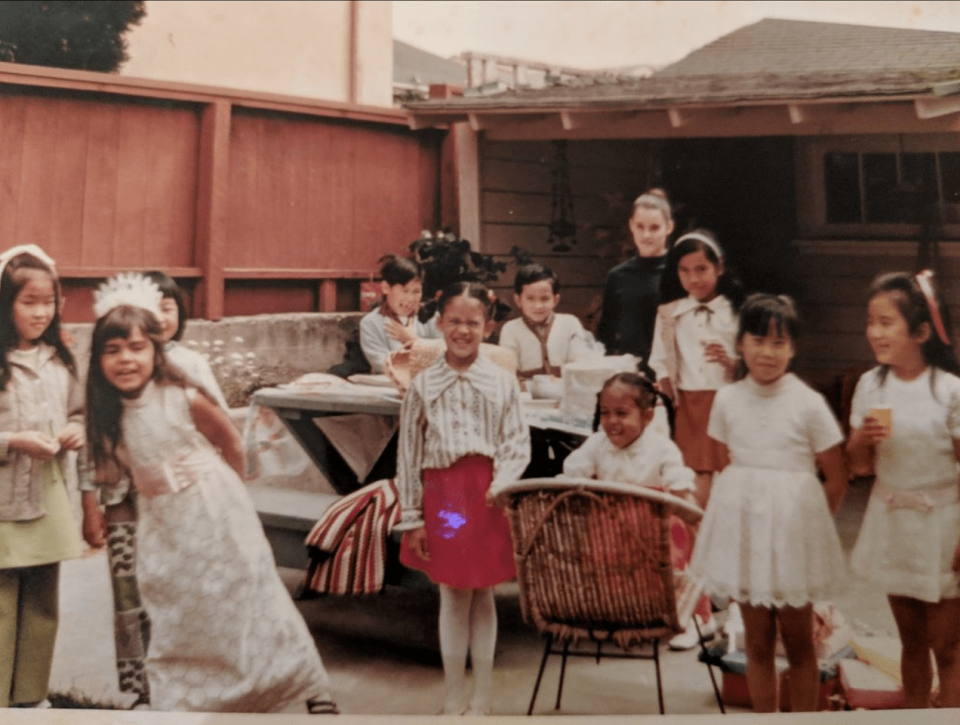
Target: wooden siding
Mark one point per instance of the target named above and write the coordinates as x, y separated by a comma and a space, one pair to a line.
515, 204
254, 203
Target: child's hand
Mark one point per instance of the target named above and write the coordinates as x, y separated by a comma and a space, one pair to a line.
873, 431
94, 523
71, 437
35, 444
417, 541
494, 499
398, 332
714, 351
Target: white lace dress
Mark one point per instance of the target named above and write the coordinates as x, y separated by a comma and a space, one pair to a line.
226, 635
767, 537
911, 528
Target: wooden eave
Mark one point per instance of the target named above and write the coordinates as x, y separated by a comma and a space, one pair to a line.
928, 112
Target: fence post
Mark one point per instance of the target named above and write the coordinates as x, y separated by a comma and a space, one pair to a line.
212, 200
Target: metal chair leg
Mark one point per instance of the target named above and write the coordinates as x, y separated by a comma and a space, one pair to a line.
706, 659
656, 662
543, 664
563, 671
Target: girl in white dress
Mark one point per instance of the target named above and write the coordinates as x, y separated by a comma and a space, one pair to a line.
768, 539
905, 421
225, 634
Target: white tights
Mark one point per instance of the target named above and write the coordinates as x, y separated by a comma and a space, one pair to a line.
468, 619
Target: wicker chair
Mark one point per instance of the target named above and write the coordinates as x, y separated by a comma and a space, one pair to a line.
593, 564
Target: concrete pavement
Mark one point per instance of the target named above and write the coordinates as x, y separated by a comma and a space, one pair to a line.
383, 656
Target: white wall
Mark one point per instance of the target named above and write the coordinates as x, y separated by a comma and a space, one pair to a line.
292, 48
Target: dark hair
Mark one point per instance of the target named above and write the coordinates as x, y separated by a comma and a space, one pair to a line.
395, 269
104, 402
905, 292
532, 273
646, 395
727, 283
469, 289
170, 290
10, 285
756, 315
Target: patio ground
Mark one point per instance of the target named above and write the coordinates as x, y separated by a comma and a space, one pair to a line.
383, 657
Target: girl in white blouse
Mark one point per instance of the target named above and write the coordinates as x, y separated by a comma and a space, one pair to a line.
905, 421
693, 345
462, 439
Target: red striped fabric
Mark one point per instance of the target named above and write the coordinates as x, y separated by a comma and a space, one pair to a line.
348, 544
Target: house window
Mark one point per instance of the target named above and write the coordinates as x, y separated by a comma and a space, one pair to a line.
891, 188
878, 186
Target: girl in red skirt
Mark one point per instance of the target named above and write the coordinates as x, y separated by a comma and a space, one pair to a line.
693, 355
462, 439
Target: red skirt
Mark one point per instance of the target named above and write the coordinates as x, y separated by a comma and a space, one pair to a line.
700, 451
469, 542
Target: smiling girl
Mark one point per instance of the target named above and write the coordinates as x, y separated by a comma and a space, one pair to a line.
768, 540
462, 438
41, 418
909, 542
225, 635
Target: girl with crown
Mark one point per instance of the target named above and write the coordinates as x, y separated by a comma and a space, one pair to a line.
225, 635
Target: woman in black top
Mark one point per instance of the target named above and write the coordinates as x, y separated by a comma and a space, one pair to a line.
632, 290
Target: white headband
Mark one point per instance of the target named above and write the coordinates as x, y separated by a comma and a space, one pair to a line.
33, 250
706, 240
127, 288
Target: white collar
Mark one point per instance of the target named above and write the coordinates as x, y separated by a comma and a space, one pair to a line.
482, 375
689, 303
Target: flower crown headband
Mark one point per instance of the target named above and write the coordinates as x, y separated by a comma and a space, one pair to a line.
127, 288
33, 250
925, 282
705, 239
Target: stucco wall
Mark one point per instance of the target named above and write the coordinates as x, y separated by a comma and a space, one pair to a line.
286, 346
291, 48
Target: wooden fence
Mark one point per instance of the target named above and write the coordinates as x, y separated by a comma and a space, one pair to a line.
253, 202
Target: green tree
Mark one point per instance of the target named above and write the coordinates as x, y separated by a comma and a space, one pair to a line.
79, 35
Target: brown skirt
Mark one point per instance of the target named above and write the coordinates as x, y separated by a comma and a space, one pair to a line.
700, 451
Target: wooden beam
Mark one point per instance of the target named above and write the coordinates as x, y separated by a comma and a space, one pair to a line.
474, 119
748, 121
798, 113
569, 121
103, 272
677, 117
287, 273
328, 295
468, 182
213, 178
936, 107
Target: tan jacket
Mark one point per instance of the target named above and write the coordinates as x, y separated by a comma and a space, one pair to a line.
44, 399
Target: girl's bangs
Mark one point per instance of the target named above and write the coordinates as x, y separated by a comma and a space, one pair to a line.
756, 321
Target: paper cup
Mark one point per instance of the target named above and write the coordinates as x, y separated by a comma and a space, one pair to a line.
884, 416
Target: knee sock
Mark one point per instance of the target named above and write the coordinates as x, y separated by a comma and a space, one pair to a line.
454, 640
483, 642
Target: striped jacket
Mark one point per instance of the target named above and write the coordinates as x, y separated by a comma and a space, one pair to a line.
348, 544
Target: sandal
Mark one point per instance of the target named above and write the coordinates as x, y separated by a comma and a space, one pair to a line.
322, 706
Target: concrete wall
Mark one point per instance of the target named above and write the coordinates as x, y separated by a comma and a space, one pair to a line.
286, 346
293, 48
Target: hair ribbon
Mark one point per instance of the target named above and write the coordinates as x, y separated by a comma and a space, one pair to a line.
33, 250
702, 238
925, 282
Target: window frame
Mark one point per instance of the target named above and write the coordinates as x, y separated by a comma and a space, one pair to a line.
811, 190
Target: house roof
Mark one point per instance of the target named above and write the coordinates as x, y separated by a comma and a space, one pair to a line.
771, 62
416, 67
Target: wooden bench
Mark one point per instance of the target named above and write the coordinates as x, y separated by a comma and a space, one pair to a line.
287, 517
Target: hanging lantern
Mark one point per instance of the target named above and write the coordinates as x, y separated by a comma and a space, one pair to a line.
563, 225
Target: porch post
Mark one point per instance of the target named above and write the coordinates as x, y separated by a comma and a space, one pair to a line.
212, 199
467, 146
